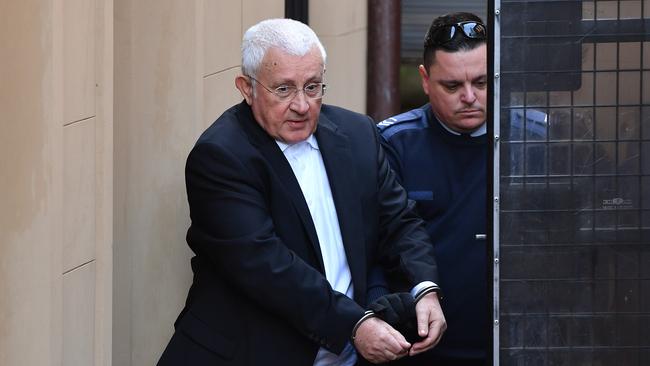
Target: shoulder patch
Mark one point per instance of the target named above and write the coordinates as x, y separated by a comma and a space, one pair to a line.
413, 119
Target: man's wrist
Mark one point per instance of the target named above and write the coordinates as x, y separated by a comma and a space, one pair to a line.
427, 290
367, 315
420, 286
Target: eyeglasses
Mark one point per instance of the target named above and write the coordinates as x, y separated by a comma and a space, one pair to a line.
288, 92
445, 33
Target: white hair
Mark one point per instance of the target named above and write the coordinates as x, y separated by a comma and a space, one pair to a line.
289, 36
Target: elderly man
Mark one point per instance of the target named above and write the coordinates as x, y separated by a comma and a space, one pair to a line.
291, 201
439, 153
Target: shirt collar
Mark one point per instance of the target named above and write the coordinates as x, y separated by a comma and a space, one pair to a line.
311, 140
479, 132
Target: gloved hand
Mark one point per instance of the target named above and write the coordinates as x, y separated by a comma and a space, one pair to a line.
398, 310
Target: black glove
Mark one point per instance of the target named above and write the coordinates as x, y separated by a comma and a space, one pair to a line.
398, 310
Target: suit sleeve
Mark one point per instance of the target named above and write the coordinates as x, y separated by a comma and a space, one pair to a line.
393, 158
232, 226
405, 246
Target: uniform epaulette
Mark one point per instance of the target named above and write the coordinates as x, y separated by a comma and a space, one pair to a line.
413, 119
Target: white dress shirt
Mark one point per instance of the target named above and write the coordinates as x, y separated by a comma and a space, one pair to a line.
308, 167
307, 164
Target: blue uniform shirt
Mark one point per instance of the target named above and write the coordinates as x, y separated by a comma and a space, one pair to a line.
445, 173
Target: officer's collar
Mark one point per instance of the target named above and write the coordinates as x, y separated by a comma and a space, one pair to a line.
479, 132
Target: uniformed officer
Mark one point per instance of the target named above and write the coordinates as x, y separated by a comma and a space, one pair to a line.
439, 153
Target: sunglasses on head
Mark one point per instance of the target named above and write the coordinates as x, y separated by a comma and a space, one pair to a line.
469, 29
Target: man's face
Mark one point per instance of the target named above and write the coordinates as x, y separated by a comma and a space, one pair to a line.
456, 84
291, 120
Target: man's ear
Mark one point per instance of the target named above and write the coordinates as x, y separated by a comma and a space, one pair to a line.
245, 87
424, 75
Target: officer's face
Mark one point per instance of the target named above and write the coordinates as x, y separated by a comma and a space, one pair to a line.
456, 84
294, 119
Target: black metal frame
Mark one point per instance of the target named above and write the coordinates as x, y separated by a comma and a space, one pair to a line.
297, 10
492, 310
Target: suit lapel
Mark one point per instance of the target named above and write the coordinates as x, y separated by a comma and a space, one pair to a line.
337, 156
271, 151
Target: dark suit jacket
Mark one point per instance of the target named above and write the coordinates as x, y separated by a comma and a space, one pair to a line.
259, 295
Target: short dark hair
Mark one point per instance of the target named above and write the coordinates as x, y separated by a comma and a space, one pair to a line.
458, 43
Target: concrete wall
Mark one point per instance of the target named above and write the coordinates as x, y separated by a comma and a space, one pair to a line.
56, 91
342, 26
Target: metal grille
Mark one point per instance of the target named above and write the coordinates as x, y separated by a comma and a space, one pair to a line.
574, 183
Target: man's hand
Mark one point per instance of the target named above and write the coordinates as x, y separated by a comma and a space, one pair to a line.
398, 310
431, 323
379, 342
